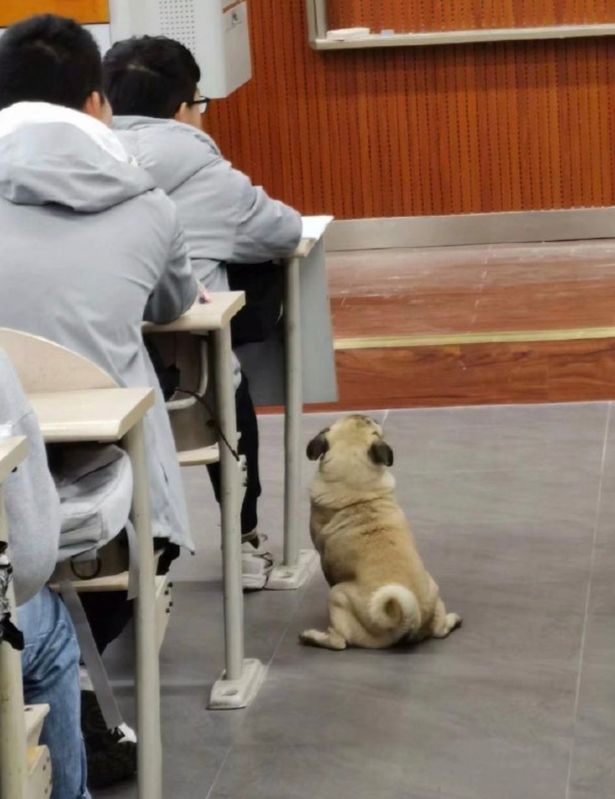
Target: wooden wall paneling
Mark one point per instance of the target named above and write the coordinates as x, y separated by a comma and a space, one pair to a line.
290, 126
82, 10
373, 99
411, 131
592, 114
608, 109
506, 176
329, 182
554, 184
368, 180
534, 112
469, 97
586, 125
403, 153
428, 131
442, 75
342, 160
571, 193
423, 15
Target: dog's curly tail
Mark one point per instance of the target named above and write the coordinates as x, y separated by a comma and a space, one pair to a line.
395, 607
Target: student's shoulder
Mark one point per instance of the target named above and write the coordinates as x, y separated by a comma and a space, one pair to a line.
171, 151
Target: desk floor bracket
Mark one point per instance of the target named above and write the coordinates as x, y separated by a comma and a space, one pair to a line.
290, 578
237, 694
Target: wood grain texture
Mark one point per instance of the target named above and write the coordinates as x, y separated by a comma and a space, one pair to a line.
414, 131
86, 11
460, 290
507, 287
405, 16
475, 375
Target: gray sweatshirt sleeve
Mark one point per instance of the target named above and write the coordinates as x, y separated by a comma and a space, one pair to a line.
32, 504
266, 228
177, 287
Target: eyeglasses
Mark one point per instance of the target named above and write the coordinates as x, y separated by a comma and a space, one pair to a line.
202, 103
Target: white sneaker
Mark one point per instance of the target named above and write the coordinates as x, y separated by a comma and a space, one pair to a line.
256, 563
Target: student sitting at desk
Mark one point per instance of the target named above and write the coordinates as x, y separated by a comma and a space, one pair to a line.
90, 247
50, 660
233, 229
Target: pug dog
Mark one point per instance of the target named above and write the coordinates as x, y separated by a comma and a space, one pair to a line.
381, 594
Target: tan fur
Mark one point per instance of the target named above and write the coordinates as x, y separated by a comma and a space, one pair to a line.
380, 591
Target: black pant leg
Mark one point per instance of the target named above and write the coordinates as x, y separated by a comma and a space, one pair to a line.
109, 612
247, 425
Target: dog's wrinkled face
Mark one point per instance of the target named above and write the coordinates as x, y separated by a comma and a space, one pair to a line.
352, 438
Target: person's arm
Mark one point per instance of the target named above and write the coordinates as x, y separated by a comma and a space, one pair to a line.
266, 228
177, 288
31, 500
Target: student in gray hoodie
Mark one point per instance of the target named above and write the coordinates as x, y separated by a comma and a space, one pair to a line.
90, 247
233, 228
50, 660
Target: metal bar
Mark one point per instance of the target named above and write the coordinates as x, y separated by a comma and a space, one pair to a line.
13, 748
229, 504
293, 410
500, 227
310, 11
464, 36
467, 339
320, 18
148, 676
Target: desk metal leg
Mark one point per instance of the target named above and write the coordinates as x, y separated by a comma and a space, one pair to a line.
242, 678
148, 676
298, 564
13, 752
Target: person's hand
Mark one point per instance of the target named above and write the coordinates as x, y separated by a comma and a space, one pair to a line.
204, 295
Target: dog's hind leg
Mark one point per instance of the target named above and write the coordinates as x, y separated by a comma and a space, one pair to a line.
444, 623
345, 628
328, 640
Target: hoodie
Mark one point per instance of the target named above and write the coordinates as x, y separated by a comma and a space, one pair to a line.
225, 217
89, 249
31, 501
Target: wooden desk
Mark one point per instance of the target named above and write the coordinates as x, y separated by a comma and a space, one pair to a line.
242, 677
12, 452
114, 415
13, 745
206, 317
102, 415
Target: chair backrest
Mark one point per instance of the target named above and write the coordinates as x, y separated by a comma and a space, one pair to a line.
190, 420
43, 365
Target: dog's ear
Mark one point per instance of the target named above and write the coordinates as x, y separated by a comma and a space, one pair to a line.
380, 453
318, 445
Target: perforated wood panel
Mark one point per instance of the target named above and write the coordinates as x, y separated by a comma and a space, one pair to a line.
423, 15
414, 131
177, 18
82, 10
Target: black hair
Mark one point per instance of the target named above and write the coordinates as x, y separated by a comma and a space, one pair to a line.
150, 76
49, 59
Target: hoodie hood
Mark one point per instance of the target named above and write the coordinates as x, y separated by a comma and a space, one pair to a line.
170, 151
54, 155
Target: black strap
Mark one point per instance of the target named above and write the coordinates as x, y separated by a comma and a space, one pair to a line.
8, 631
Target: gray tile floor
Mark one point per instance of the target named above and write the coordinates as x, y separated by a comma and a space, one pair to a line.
514, 512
